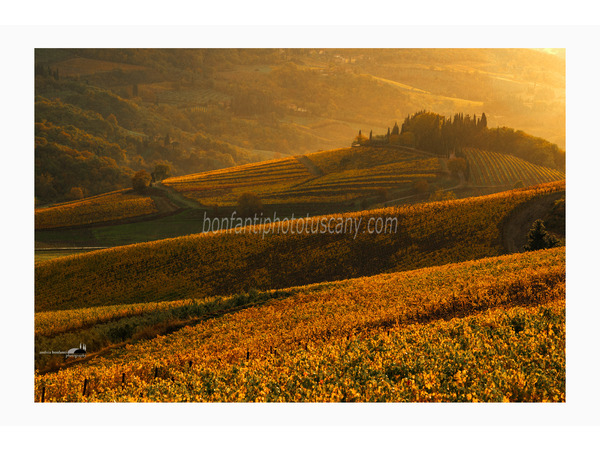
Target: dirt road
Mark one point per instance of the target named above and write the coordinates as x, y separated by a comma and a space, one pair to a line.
514, 231
177, 198
310, 166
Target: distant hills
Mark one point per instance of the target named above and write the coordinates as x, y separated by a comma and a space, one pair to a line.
102, 114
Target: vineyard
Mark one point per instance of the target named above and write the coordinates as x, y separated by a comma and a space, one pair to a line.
490, 330
223, 187
348, 174
226, 262
100, 208
421, 259
493, 169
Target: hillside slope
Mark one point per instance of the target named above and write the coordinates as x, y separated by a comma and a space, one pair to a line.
338, 180
200, 109
487, 330
113, 206
497, 169
332, 181
266, 257
332, 177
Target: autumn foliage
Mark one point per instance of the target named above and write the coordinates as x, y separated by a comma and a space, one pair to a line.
97, 209
491, 330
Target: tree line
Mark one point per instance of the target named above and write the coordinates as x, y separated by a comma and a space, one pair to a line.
446, 135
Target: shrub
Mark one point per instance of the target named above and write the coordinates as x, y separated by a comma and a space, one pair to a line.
249, 204
141, 181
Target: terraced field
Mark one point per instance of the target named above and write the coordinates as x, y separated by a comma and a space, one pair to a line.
97, 209
493, 169
347, 174
331, 181
223, 187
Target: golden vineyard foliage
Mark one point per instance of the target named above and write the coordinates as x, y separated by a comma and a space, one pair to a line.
357, 158
352, 183
491, 169
225, 263
223, 187
50, 323
346, 174
487, 330
99, 208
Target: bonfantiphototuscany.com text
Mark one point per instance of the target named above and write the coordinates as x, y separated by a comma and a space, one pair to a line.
265, 225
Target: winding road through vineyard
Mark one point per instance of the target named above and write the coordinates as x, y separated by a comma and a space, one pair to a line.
514, 232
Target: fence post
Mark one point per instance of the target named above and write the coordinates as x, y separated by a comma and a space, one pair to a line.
123, 378
247, 355
155, 372
43, 393
85, 383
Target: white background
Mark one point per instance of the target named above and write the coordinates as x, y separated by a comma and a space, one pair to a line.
307, 24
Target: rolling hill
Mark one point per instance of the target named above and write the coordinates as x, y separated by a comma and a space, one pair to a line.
98, 209
268, 256
391, 270
204, 109
335, 178
339, 180
488, 330
498, 169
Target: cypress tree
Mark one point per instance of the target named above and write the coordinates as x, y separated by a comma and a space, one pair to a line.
483, 121
538, 238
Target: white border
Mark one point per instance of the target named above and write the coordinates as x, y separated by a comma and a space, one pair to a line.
17, 187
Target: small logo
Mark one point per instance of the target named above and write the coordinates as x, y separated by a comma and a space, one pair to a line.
75, 352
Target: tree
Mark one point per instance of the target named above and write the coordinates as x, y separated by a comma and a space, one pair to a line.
360, 139
161, 171
396, 130
44, 187
141, 181
112, 120
249, 204
457, 166
538, 238
483, 121
76, 193
407, 139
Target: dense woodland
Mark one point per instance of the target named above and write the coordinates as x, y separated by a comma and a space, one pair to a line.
103, 114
